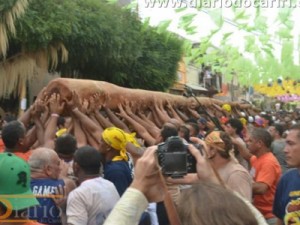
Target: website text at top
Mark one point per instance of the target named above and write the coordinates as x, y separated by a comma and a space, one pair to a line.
221, 4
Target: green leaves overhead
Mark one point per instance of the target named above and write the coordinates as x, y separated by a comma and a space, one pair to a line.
163, 25
266, 46
186, 21
103, 42
260, 23
216, 16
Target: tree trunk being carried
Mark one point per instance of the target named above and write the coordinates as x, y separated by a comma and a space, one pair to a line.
112, 95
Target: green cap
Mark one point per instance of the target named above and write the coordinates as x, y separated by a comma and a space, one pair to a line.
15, 192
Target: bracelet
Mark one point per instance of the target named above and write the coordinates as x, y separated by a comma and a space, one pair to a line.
55, 115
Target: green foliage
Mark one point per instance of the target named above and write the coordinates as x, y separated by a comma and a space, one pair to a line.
104, 42
216, 16
257, 59
6, 5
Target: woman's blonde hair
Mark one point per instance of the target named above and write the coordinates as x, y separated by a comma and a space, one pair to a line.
211, 204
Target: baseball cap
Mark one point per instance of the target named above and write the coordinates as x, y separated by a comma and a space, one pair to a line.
15, 191
250, 119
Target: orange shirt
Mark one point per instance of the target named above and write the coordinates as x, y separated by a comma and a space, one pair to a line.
265, 169
24, 155
2, 146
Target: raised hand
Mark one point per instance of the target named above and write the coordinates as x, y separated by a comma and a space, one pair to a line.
73, 102
128, 107
122, 112
148, 177
85, 106
205, 171
96, 101
55, 104
60, 196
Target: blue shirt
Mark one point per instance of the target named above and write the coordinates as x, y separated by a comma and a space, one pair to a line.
47, 212
287, 198
119, 173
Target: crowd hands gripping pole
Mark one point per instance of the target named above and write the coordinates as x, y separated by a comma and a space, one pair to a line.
88, 117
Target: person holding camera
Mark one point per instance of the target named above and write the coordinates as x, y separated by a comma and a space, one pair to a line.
220, 152
204, 209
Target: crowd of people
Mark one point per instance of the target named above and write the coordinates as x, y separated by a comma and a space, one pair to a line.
69, 161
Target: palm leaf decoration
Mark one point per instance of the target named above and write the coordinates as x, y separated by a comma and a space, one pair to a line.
10, 11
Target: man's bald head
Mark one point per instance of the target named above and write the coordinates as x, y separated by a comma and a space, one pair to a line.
45, 160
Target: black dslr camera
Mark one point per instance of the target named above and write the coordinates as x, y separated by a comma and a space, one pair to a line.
175, 159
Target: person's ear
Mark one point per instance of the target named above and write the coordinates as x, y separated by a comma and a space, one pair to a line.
211, 153
47, 170
21, 141
75, 167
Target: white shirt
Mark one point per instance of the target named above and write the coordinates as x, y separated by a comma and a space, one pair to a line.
91, 202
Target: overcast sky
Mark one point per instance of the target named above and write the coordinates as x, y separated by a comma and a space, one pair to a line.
205, 24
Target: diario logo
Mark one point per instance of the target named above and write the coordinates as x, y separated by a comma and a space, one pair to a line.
20, 216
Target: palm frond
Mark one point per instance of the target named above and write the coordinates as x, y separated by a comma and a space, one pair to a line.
7, 23
54, 51
19, 69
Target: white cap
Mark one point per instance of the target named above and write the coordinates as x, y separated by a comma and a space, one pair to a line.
250, 119
243, 114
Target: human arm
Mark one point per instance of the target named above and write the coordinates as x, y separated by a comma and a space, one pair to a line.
160, 112
146, 187
136, 152
74, 106
25, 118
265, 177
245, 153
173, 112
91, 139
152, 130
220, 109
181, 114
193, 113
259, 188
105, 122
147, 119
56, 107
63, 191
205, 171
115, 120
137, 127
79, 134
154, 118
36, 113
